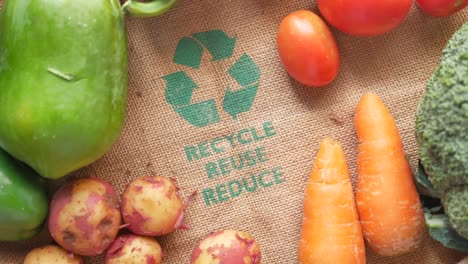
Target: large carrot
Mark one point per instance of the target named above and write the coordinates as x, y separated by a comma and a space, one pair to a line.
331, 232
388, 204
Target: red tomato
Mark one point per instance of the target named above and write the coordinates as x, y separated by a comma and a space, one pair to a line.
308, 49
442, 8
364, 17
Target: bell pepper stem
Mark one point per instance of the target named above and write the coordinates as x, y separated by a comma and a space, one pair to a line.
148, 9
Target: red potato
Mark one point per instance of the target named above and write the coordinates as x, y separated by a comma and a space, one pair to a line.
84, 217
129, 248
227, 246
152, 206
51, 254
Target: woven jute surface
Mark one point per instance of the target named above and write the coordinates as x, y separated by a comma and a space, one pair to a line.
284, 123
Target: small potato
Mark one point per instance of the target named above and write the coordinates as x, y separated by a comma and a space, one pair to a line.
84, 217
51, 254
227, 246
151, 206
132, 249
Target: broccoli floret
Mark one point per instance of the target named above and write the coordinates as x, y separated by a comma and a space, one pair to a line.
456, 207
442, 130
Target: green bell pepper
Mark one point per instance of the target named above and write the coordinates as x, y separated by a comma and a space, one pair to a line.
23, 200
63, 79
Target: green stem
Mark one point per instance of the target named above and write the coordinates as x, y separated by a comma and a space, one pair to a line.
150, 9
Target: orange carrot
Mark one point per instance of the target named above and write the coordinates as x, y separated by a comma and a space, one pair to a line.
388, 204
331, 232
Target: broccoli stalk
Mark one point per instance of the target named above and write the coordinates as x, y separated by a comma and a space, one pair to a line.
440, 229
437, 221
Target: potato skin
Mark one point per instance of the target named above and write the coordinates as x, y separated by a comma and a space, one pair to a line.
152, 206
133, 249
84, 216
227, 246
51, 254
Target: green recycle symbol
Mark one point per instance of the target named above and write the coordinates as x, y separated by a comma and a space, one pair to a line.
180, 87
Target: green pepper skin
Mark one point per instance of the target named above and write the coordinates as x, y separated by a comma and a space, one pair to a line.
23, 200
63, 81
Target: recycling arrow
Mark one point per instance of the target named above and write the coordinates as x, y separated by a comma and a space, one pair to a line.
180, 87
236, 102
200, 114
218, 44
246, 72
189, 50
179, 91
188, 53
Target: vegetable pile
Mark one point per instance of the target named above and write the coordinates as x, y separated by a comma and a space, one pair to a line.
387, 212
57, 117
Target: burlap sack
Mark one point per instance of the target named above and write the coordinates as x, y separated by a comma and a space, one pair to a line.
185, 113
